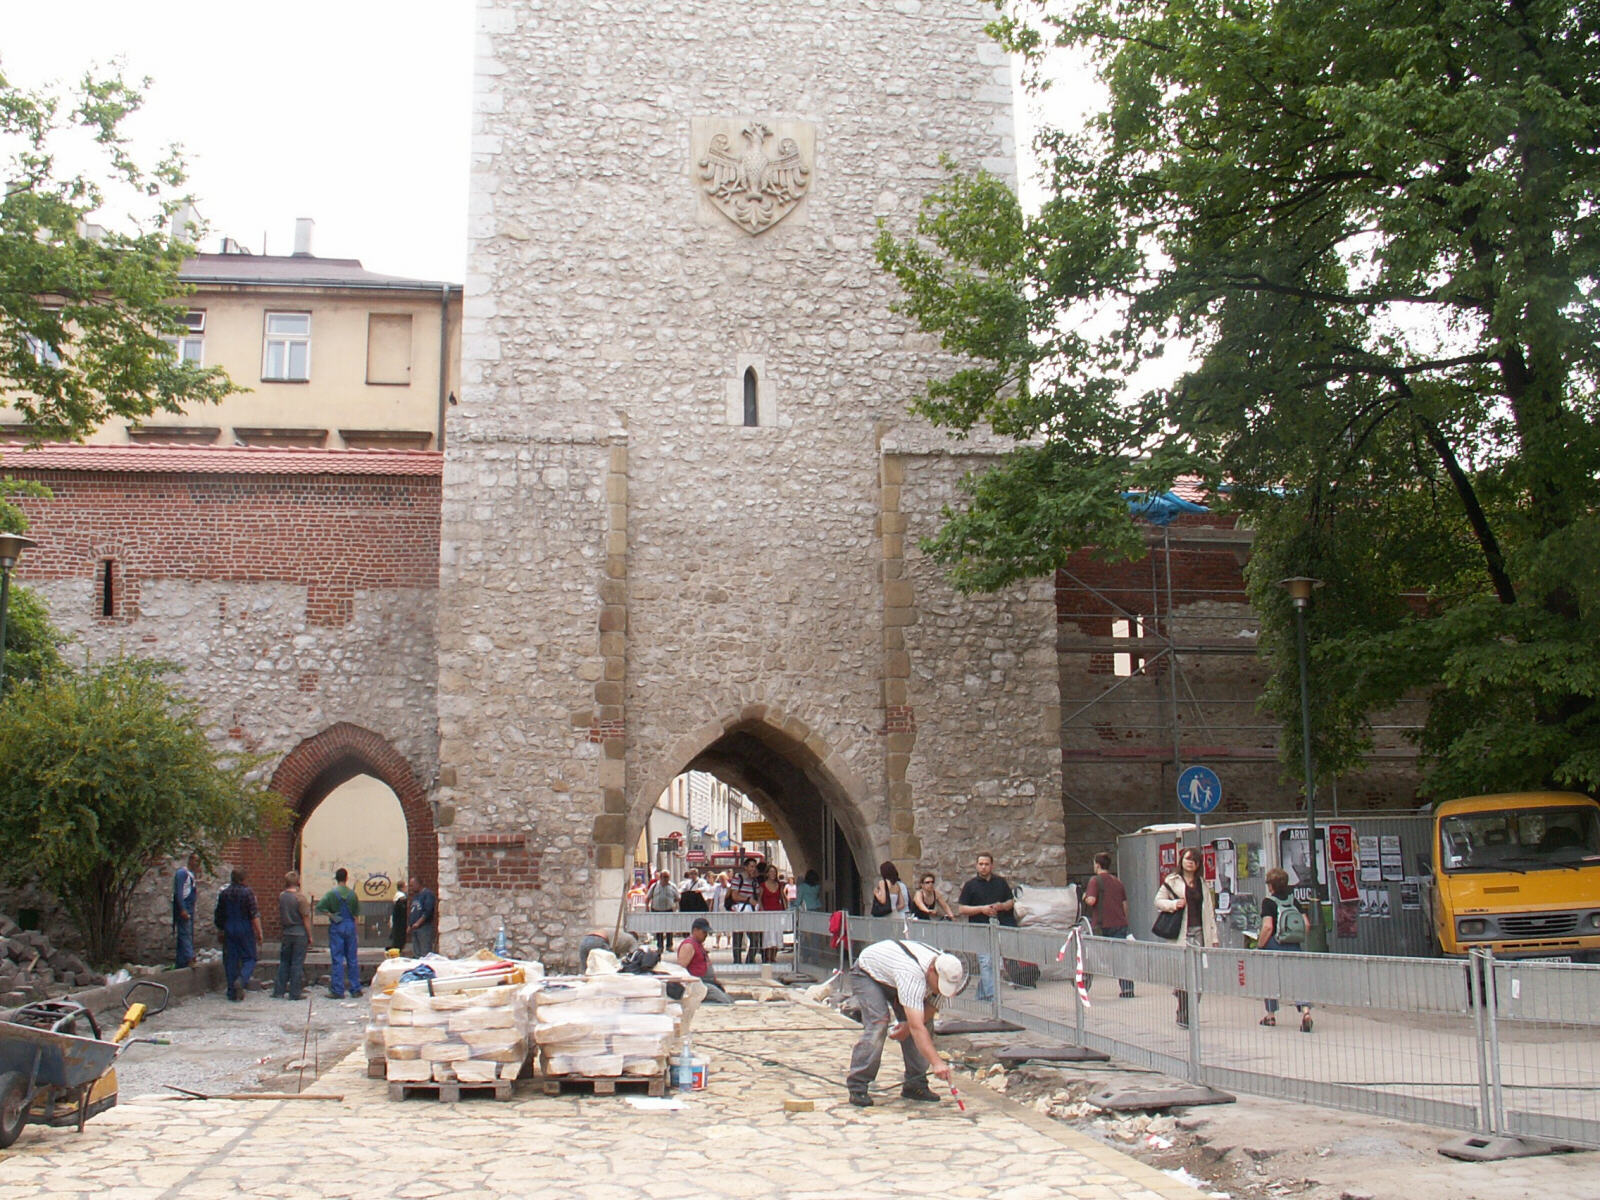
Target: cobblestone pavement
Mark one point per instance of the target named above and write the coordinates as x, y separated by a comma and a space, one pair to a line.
732, 1140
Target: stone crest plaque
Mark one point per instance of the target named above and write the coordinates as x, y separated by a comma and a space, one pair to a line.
758, 180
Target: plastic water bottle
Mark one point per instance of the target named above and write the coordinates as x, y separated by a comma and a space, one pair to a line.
502, 944
686, 1066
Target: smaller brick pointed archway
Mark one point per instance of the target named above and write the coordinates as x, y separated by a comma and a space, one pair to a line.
306, 776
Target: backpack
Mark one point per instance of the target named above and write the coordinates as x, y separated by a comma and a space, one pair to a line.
1290, 927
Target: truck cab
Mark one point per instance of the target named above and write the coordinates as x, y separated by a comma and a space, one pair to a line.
1519, 873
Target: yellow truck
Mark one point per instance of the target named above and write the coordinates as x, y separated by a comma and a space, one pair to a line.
1519, 873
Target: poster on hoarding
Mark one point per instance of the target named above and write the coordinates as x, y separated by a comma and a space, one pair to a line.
1294, 852
1394, 867
1367, 845
1167, 856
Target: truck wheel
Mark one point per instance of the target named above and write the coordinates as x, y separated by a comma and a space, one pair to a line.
13, 1106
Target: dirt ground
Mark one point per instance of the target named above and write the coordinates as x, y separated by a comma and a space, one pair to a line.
257, 1045
1257, 1149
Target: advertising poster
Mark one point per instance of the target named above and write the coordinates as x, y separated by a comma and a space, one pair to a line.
1167, 856
1371, 872
1394, 868
1294, 852
1411, 892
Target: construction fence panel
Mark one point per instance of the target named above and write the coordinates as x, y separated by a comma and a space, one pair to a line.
1544, 1026
773, 929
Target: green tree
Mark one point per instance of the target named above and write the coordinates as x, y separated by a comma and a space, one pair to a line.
84, 311
106, 771
1374, 227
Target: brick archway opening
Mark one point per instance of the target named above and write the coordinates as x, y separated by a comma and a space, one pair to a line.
305, 778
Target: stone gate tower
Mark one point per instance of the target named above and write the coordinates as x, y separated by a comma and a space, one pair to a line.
682, 494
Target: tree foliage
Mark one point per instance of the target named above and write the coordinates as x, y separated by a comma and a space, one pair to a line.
1374, 224
105, 772
84, 310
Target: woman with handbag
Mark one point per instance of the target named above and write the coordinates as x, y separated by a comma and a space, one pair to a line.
1186, 912
889, 896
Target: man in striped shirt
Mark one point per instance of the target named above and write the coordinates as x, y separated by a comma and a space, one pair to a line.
908, 980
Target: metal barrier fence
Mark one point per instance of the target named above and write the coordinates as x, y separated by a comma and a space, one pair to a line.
764, 930
1485, 1046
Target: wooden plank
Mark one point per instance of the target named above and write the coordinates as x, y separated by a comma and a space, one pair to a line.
377, 1068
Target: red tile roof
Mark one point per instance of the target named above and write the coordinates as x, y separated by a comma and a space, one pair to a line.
217, 460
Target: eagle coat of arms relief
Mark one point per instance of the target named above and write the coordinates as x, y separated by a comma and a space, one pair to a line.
752, 188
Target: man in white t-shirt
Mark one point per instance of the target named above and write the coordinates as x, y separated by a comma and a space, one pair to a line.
908, 980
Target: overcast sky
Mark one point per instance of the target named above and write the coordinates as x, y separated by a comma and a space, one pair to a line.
351, 112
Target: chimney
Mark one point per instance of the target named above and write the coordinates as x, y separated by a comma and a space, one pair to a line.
185, 224
302, 236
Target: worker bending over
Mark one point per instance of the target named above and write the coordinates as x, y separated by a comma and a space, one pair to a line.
909, 980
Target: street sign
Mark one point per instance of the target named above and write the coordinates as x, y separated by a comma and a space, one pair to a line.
1199, 790
758, 831
695, 857
666, 845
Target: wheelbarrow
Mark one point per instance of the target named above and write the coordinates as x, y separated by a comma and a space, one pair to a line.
51, 1073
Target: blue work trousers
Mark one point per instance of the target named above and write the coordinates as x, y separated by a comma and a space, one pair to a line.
183, 928
238, 957
346, 973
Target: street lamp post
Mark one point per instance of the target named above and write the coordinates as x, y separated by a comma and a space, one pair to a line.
11, 547
1300, 588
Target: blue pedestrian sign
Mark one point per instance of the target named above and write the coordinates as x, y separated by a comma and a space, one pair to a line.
1199, 790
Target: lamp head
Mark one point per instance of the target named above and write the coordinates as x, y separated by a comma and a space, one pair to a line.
11, 547
1300, 588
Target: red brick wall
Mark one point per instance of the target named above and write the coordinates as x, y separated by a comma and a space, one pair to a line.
501, 861
335, 534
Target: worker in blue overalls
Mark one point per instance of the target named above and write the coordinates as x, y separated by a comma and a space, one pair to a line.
342, 906
239, 921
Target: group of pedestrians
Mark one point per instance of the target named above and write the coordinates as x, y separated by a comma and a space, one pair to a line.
237, 917
752, 886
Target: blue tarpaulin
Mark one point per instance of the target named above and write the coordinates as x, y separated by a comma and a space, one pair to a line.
1161, 509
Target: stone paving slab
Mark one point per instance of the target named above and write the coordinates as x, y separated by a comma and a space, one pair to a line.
732, 1140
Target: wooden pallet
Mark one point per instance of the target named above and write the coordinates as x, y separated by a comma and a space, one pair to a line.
449, 1093
604, 1085
377, 1068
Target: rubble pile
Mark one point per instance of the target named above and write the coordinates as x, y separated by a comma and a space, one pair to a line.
31, 968
605, 1025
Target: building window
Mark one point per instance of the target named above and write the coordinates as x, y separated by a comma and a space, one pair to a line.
43, 352
389, 348
108, 595
752, 412
1127, 664
190, 347
286, 356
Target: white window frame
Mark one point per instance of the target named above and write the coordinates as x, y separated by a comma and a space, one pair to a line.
191, 346
285, 341
43, 353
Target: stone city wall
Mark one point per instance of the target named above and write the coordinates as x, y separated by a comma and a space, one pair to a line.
293, 602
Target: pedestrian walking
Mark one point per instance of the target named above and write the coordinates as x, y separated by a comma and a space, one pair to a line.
808, 892
1185, 892
239, 921
422, 920
741, 898
926, 902
341, 905
1283, 927
908, 981
294, 938
1107, 902
692, 895
772, 897
185, 894
662, 898
987, 897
